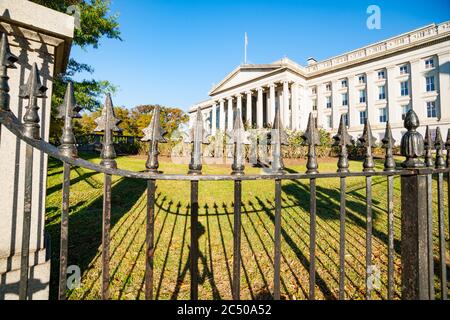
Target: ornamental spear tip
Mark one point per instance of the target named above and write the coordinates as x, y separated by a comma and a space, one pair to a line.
343, 139
197, 136
439, 145
107, 120
239, 137
69, 108
155, 134
7, 59
367, 140
388, 144
428, 143
311, 136
33, 88
278, 138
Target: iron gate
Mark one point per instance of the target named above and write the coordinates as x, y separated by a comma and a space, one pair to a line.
416, 196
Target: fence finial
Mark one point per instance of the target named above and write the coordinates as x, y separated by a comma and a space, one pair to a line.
428, 146
32, 90
108, 122
439, 145
278, 138
447, 147
239, 137
367, 140
155, 134
7, 60
342, 139
388, 144
68, 111
311, 138
412, 145
197, 136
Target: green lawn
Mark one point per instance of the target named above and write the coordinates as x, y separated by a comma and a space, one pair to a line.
172, 232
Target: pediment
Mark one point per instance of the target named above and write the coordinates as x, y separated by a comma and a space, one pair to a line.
243, 75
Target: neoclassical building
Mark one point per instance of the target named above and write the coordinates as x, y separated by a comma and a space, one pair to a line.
379, 82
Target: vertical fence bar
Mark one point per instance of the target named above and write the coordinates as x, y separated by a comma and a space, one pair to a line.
194, 240
312, 240
369, 238
237, 240
442, 249
390, 196
24, 259
430, 236
63, 253
149, 239
277, 256
342, 241
106, 225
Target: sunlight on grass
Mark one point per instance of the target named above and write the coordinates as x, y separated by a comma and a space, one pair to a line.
172, 234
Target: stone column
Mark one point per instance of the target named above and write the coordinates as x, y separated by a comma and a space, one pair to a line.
295, 107
38, 35
230, 114
214, 119
444, 85
249, 108
286, 116
222, 115
238, 104
272, 102
259, 109
336, 104
394, 110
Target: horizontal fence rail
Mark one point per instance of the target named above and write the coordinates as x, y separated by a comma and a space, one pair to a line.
416, 195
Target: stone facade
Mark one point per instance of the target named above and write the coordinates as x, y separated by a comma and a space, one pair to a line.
35, 34
379, 82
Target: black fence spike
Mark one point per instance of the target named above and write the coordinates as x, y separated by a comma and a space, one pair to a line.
343, 140
32, 90
311, 139
428, 147
197, 136
238, 137
388, 144
439, 145
108, 123
412, 144
367, 141
68, 110
278, 138
154, 134
447, 147
7, 60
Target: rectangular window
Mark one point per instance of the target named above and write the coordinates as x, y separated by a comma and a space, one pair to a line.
405, 109
383, 115
344, 83
381, 93
346, 119
328, 87
381, 75
328, 119
429, 83
404, 88
431, 109
362, 96
314, 104
328, 102
361, 79
344, 99
362, 117
404, 69
314, 90
429, 63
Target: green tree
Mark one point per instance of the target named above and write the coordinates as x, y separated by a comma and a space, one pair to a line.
96, 22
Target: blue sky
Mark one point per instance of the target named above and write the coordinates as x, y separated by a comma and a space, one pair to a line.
173, 51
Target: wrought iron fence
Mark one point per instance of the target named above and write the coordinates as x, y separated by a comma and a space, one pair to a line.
416, 196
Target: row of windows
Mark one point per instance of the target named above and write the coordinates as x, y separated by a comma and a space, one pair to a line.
381, 74
404, 91
383, 114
